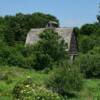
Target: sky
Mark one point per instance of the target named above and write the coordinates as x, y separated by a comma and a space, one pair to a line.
70, 13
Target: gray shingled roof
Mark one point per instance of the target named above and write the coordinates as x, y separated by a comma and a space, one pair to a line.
65, 33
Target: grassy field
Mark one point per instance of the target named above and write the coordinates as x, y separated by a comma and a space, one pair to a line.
9, 76
90, 91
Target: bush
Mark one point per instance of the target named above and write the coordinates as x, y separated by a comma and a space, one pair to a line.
90, 65
50, 48
27, 90
42, 61
65, 80
4, 53
17, 56
86, 43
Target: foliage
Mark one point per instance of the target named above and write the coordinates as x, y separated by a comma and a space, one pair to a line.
88, 29
65, 79
16, 56
9, 76
28, 90
50, 49
88, 37
13, 29
95, 50
42, 61
91, 87
86, 44
38, 56
90, 65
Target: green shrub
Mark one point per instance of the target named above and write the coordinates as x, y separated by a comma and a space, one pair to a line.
28, 90
86, 43
65, 79
4, 53
50, 48
42, 61
17, 56
89, 65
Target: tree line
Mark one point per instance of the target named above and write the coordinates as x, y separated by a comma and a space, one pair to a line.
13, 29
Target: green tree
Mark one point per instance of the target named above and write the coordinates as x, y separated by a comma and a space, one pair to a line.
86, 43
17, 27
51, 48
88, 29
90, 65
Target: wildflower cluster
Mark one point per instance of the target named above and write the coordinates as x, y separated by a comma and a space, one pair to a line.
30, 91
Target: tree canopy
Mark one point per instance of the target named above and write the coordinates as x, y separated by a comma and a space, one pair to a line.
13, 29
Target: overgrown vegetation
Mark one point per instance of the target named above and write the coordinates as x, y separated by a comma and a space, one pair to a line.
89, 47
28, 90
65, 79
11, 77
43, 70
50, 41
